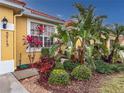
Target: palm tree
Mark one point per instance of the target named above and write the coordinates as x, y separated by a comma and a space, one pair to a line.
116, 30
90, 27
85, 28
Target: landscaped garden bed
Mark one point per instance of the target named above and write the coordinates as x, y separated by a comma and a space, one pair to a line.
99, 83
89, 63
86, 86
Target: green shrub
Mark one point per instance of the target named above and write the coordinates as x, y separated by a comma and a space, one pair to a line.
59, 77
69, 65
120, 67
59, 65
45, 51
81, 72
106, 68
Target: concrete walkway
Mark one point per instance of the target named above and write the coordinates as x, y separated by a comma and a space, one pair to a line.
9, 84
22, 74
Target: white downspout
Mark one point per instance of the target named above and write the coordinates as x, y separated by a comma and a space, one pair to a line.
14, 36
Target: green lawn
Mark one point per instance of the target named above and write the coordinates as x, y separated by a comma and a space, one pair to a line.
113, 84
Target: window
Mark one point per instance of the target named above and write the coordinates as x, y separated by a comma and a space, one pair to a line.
45, 37
35, 33
48, 31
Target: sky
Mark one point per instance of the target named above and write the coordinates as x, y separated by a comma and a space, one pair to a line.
64, 9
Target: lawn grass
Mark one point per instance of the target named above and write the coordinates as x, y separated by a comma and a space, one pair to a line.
113, 84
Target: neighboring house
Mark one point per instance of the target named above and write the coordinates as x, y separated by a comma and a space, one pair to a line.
21, 21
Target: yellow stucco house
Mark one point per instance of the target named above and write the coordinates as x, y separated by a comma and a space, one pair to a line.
20, 21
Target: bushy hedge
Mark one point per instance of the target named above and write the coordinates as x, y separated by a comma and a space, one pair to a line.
69, 65
59, 77
81, 72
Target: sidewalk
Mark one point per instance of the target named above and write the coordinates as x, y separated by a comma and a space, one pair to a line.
9, 84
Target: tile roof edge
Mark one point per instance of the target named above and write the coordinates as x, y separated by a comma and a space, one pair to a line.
33, 11
19, 2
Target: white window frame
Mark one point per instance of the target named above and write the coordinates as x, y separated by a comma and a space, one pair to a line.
0, 45
29, 32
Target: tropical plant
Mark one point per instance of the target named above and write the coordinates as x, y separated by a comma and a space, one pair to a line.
84, 27
90, 57
46, 64
116, 31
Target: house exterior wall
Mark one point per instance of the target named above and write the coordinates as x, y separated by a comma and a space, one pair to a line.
6, 12
6, 41
7, 50
22, 55
6, 35
121, 40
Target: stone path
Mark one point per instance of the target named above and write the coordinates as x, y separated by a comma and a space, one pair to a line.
9, 84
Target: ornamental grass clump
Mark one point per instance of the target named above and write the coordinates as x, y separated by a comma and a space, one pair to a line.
81, 72
59, 77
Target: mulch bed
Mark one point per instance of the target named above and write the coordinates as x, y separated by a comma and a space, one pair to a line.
86, 86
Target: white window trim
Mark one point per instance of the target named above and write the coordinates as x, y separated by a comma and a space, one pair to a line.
29, 32
0, 45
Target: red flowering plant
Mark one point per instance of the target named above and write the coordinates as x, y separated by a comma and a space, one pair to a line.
46, 65
32, 43
41, 29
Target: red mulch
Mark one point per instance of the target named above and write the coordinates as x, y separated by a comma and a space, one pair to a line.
86, 86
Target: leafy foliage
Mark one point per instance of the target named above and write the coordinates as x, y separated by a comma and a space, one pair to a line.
59, 65
52, 50
69, 65
59, 77
103, 67
116, 30
106, 68
45, 51
90, 58
81, 72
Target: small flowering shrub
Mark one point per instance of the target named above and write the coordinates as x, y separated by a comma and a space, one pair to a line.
59, 77
81, 72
